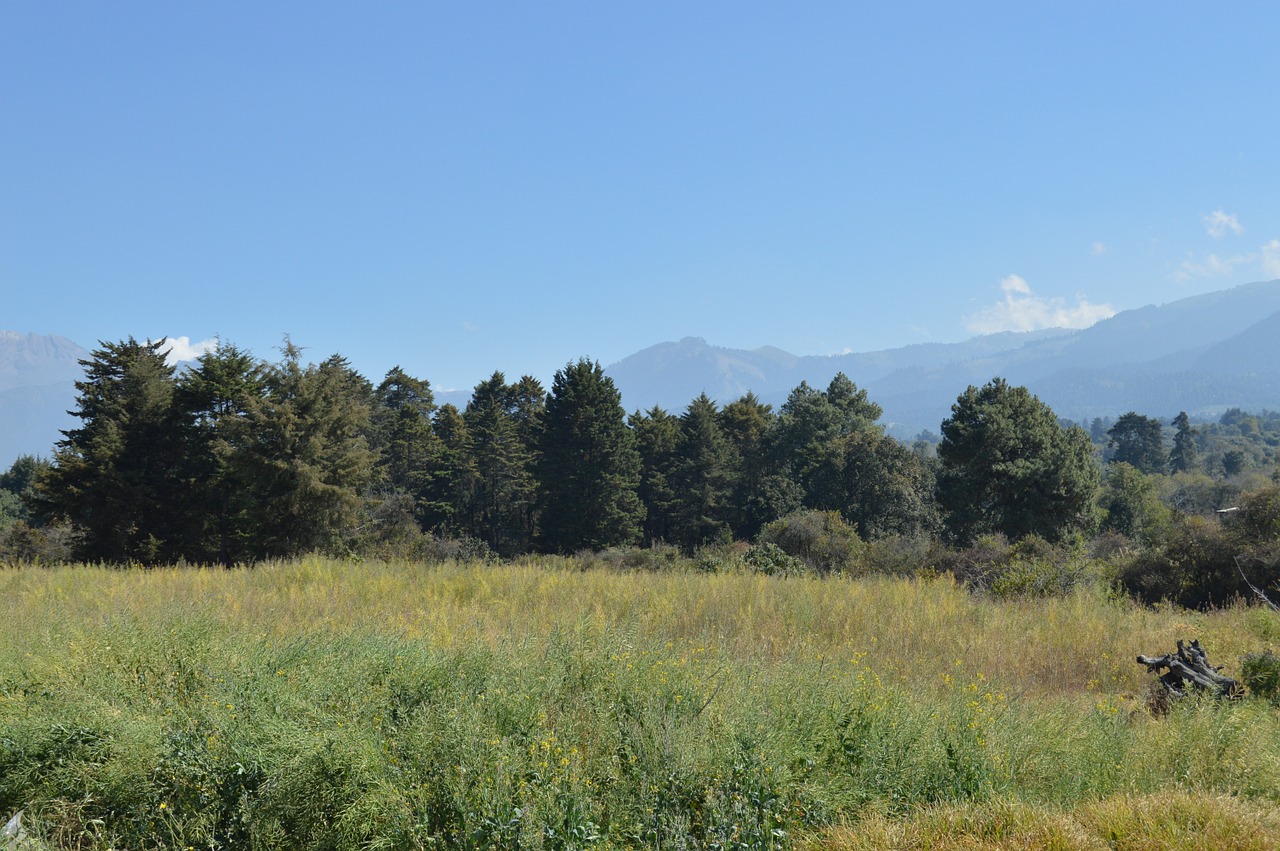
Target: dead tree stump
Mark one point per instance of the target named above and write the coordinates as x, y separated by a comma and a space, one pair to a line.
1190, 668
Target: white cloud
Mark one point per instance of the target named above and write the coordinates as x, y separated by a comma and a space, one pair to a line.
1100, 247
1023, 310
1271, 258
182, 349
1218, 223
1212, 266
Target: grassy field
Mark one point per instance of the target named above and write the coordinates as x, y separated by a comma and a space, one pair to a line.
321, 704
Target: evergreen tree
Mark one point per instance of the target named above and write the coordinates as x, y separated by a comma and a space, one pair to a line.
1184, 458
213, 396
117, 477
1138, 441
1007, 466
877, 484
301, 451
589, 470
746, 423
705, 471
451, 488
657, 437
503, 491
410, 453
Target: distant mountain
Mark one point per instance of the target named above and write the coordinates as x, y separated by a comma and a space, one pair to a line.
37, 386
1201, 354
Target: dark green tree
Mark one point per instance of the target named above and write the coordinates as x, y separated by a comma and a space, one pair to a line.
213, 396
118, 476
1130, 504
589, 470
657, 437
747, 423
1137, 441
301, 451
706, 468
1184, 457
501, 500
17, 488
409, 452
452, 486
877, 484
1007, 466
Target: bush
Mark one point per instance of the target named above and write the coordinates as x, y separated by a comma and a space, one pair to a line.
772, 560
1261, 675
820, 539
1194, 566
903, 555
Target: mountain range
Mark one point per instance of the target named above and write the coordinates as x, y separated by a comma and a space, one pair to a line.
1201, 355
37, 387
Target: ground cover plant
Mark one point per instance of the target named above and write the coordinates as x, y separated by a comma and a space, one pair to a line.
328, 704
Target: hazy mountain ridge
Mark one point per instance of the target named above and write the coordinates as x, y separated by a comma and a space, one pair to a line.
1201, 354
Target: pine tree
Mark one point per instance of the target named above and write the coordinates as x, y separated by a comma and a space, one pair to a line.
301, 451
1008, 466
1184, 458
410, 453
504, 488
117, 476
1138, 441
705, 472
657, 436
212, 396
589, 470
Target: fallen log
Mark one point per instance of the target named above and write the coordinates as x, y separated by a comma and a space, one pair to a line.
1190, 667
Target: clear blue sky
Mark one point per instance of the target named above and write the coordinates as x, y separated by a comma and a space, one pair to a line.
459, 188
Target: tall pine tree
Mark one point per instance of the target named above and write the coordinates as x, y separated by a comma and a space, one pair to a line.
118, 476
589, 470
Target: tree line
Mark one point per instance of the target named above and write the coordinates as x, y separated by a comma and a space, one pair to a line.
237, 459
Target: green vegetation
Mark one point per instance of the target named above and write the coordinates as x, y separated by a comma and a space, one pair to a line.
321, 704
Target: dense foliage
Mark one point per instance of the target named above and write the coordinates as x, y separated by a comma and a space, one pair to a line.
236, 460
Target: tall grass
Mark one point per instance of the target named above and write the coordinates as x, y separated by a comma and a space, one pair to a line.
321, 704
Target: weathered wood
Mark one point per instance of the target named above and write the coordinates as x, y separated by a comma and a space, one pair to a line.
1190, 665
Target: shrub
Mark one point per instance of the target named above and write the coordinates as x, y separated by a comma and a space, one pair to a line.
820, 539
772, 560
1194, 567
1261, 675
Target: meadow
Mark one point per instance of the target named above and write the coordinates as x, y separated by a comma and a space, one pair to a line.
319, 703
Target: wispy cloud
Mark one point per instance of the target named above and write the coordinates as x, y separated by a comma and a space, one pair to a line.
1100, 247
1023, 310
1218, 223
182, 349
1212, 266
1271, 258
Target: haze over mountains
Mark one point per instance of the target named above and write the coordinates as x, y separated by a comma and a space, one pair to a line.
1202, 354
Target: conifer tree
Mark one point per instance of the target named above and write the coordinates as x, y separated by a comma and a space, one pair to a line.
1184, 457
212, 396
503, 491
301, 451
410, 453
1008, 466
589, 470
118, 476
657, 435
705, 472
1138, 441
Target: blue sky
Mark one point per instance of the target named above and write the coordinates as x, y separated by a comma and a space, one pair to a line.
459, 188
